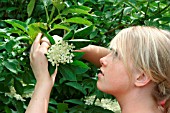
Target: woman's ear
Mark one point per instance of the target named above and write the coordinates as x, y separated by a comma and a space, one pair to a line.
141, 79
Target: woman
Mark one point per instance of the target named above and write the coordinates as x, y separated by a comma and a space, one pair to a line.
135, 70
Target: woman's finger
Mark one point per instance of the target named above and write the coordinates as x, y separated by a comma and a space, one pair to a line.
35, 45
36, 42
44, 47
45, 39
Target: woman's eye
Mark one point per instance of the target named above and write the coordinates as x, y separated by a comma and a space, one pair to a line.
116, 53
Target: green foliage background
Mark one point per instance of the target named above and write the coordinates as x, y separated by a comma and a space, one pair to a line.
94, 21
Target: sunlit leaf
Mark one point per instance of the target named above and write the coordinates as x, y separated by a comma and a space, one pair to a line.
11, 65
69, 35
33, 29
50, 38
80, 40
59, 26
47, 2
78, 20
30, 7
83, 32
75, 10
16, 23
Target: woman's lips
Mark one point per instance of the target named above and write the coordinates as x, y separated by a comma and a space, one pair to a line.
100, 73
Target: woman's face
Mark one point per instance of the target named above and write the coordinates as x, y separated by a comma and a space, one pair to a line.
114, 78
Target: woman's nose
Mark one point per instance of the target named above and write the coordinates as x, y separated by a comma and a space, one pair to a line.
103, 61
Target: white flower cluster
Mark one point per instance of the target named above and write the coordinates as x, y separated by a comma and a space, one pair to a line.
60, 53
105, 103
28, 95
13, 94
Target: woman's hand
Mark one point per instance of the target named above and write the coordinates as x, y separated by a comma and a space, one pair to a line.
39, 61
40, 99
94, 53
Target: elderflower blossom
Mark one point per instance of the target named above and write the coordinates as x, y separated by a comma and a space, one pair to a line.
104, 103
13, 94
60, 53
28, 95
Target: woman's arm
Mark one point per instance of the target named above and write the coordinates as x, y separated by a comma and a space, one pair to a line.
94, 53
45, 82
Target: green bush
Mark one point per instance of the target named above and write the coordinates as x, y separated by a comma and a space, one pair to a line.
94, 21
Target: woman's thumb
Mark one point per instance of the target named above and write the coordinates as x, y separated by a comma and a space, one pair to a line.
53, 76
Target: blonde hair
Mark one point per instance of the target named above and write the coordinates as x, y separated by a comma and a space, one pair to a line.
149, 50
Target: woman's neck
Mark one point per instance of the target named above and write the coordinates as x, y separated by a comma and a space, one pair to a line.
138, 102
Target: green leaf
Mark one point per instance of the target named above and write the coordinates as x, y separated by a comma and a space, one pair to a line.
165, 19
30, 7
80, 40
78, 20
2, 45
28, 89
51, 68
117, 11
69, 35
8, 81
67, 72
4, 99
93, 34
50, 38
83, 32
1, 68
79, 67
127, 10
62, 107
77, 86
46, 2
75, 10
59, 26
9, 9
2, 78
98, 109
4, 0
23, 38
11, 65
53, 101
52, 109
82, 7
18, 87
33, 29
75, 101
78, 55
17, 24
59, 4
19, 106
9, 45
7, 109
15, 31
